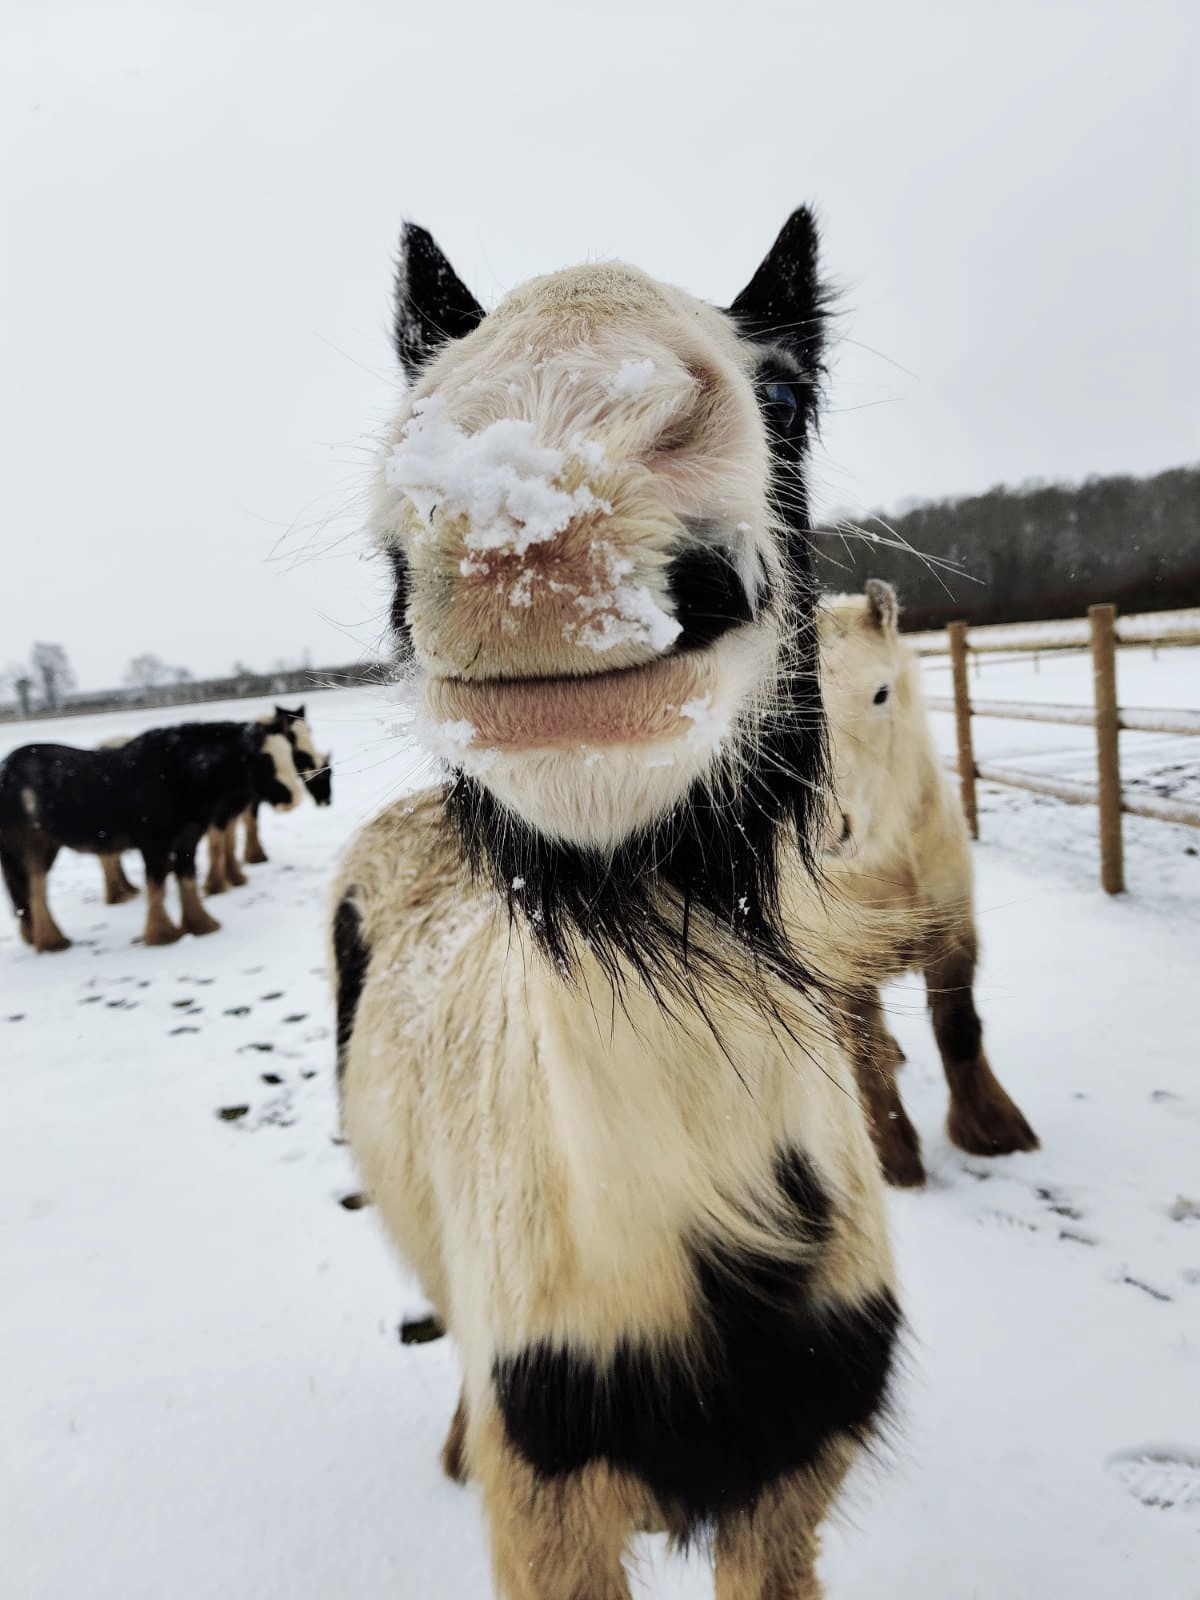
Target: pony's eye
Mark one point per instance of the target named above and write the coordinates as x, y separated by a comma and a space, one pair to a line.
780, 405
881, 695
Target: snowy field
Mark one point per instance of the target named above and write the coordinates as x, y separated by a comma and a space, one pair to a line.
204, 1392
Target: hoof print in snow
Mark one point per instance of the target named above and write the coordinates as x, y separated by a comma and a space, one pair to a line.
1166, 1478
262, 1045
174, 1031
421, 1330
354, 1202
271, 1077
182, 1005
17, 1016
296, 1016
1146, 1288
237, 1011
275, 994
1073, 1236
1055, 1202
231, 1113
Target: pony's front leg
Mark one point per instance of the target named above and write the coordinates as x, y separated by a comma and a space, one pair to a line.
876, 1055
560, 1538
770, 1553
159, 927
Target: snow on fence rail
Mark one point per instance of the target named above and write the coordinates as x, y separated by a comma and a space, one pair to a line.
1073, 633
1101, 632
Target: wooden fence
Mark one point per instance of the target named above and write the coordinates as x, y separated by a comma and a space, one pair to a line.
1102, 632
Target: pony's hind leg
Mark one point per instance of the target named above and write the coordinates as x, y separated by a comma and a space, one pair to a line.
560, 1538
117, 887
47, 935
983, 1119
876, 1056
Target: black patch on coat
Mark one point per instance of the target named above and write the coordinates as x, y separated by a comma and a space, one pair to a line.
351, 957
774, 1380
707, 595
318, 780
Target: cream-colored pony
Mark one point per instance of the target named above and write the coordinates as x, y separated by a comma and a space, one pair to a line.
587, 1029
898, 849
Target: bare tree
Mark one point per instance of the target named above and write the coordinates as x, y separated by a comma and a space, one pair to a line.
50, 664
147, 672
16, 679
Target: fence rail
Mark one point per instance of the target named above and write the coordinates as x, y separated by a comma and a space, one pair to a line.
1102, 632
1073, 633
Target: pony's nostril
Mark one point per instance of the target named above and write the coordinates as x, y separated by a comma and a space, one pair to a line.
708, 595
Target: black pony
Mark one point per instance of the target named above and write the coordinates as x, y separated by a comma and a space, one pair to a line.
156, 794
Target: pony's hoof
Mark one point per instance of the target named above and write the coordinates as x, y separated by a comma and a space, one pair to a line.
202, 925
255, 858
902, 1164
51, 943
215, 886
162, 933
994, 1127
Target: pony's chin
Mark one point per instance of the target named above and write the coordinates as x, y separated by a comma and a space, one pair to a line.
593, 798
590, 761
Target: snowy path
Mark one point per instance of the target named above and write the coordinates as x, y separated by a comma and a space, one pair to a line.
198, 1342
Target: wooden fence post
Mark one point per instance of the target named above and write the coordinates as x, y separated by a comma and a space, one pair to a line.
1108, 748
962, 723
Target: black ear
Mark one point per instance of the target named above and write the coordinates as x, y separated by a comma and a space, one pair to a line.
784, 302
883, 605
432, 303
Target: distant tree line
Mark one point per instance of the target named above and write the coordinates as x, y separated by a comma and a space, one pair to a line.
1039, 551
47, 683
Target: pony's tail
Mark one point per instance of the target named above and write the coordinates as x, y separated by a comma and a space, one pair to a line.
16, 879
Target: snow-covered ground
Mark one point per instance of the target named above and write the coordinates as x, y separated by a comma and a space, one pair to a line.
204, 1392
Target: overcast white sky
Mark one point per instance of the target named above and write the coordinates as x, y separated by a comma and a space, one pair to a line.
200, 204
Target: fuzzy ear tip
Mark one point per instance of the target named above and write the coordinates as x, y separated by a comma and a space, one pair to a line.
883, 603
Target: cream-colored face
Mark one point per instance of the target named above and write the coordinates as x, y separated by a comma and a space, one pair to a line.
542, 482
865, 686
279, 749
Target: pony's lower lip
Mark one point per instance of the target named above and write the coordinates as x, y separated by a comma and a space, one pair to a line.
637, 706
